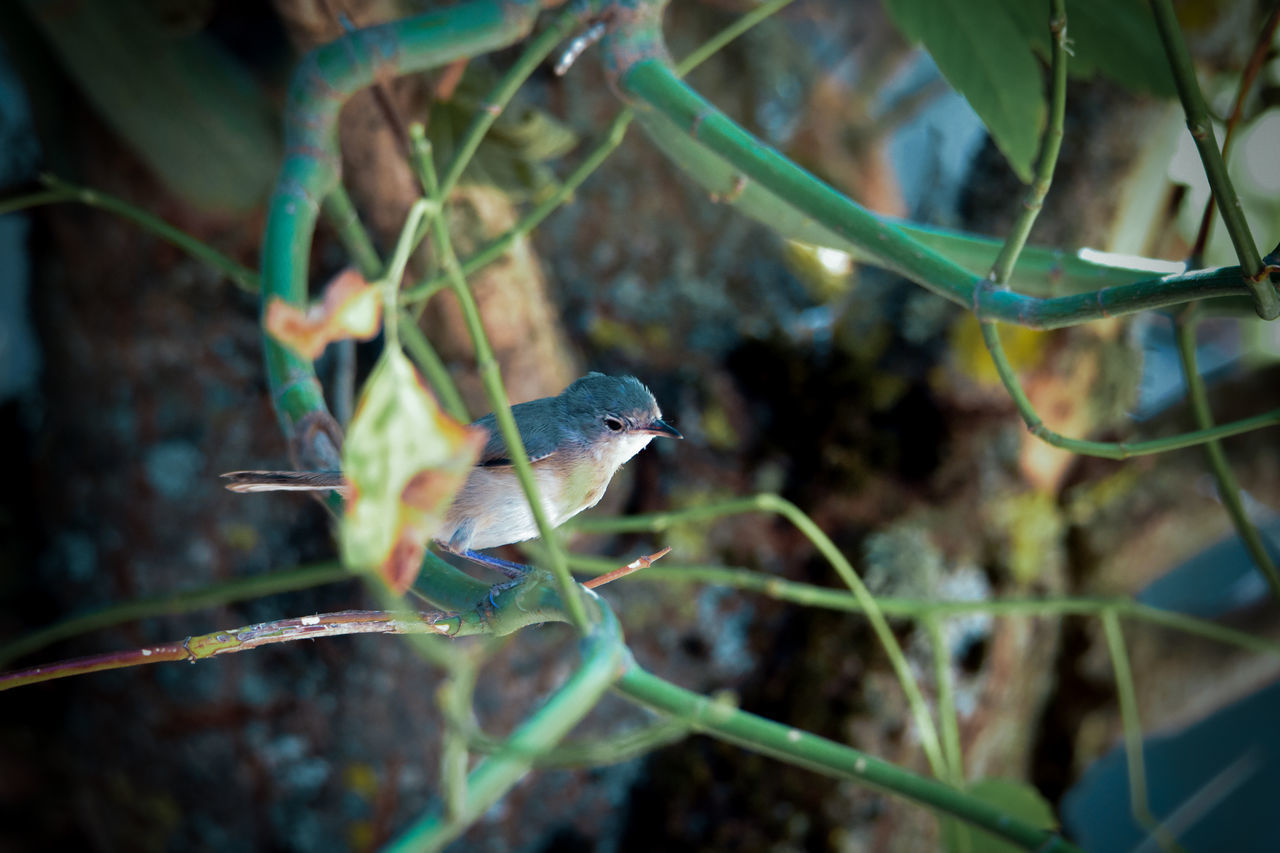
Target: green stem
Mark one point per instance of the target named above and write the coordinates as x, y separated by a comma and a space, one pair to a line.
948, 719
493, 105
491, 377
429, 362
1266, 302
774, 504
1132, 723
60, 191
1228, 488
730, 162
612, 137
1049, 147
1107, 449
341, 213
809, 595
802, 749
395, 269
498, 247
604, 658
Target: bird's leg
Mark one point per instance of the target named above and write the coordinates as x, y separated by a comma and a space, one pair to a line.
508, 568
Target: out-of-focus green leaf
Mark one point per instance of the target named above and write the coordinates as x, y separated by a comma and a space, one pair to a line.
1113, 38
404, 459
185, 106
980, 48
1017, 800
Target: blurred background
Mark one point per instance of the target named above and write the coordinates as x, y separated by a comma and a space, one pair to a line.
131, 376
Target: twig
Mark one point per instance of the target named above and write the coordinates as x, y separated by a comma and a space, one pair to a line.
634, 566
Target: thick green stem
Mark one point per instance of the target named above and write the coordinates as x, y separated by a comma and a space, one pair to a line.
802, 749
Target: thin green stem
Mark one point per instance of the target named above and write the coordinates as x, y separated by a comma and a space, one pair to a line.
612, 137
491, 377
604, 657
496, 101
341, 213
1266, 302
879, 625
766, 737
809, 595
1002, 269
395, 269
60, 191
1107, 449
1252, 68
498, 247
429, 362
774, 504
948, 719
1132, 723
1228, 488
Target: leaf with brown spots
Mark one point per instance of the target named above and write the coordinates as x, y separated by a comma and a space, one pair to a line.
351, 308
405, 460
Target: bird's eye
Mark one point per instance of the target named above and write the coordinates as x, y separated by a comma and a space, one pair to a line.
613, 424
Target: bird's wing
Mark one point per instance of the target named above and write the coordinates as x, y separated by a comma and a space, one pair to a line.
537, 423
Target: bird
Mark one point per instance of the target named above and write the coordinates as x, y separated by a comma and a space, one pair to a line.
576, 441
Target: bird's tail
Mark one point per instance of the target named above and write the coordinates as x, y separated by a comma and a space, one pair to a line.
285, 481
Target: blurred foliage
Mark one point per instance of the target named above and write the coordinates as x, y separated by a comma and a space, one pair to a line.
214, 143
987, 50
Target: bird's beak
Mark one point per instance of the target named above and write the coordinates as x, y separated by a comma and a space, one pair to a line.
661, 427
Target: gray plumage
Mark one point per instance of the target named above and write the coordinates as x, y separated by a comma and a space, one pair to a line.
576, 442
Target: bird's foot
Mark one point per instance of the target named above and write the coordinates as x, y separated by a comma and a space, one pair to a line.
508, 568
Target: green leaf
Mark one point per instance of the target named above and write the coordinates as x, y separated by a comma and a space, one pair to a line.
980, 48
1116, 39
1016, 799
184, 105
404, 460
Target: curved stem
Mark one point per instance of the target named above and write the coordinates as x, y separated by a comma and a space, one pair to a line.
604, 658
1228, 488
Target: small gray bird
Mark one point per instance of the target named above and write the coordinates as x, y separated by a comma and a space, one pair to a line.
576, 441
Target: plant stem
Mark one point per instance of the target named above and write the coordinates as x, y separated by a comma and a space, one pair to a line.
1266, 302
1132, 723
1228, 488
60, 191
491, 377
1108, 449
802, 749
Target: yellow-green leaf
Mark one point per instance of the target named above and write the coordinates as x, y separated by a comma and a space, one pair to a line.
404, 459
1017, 800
